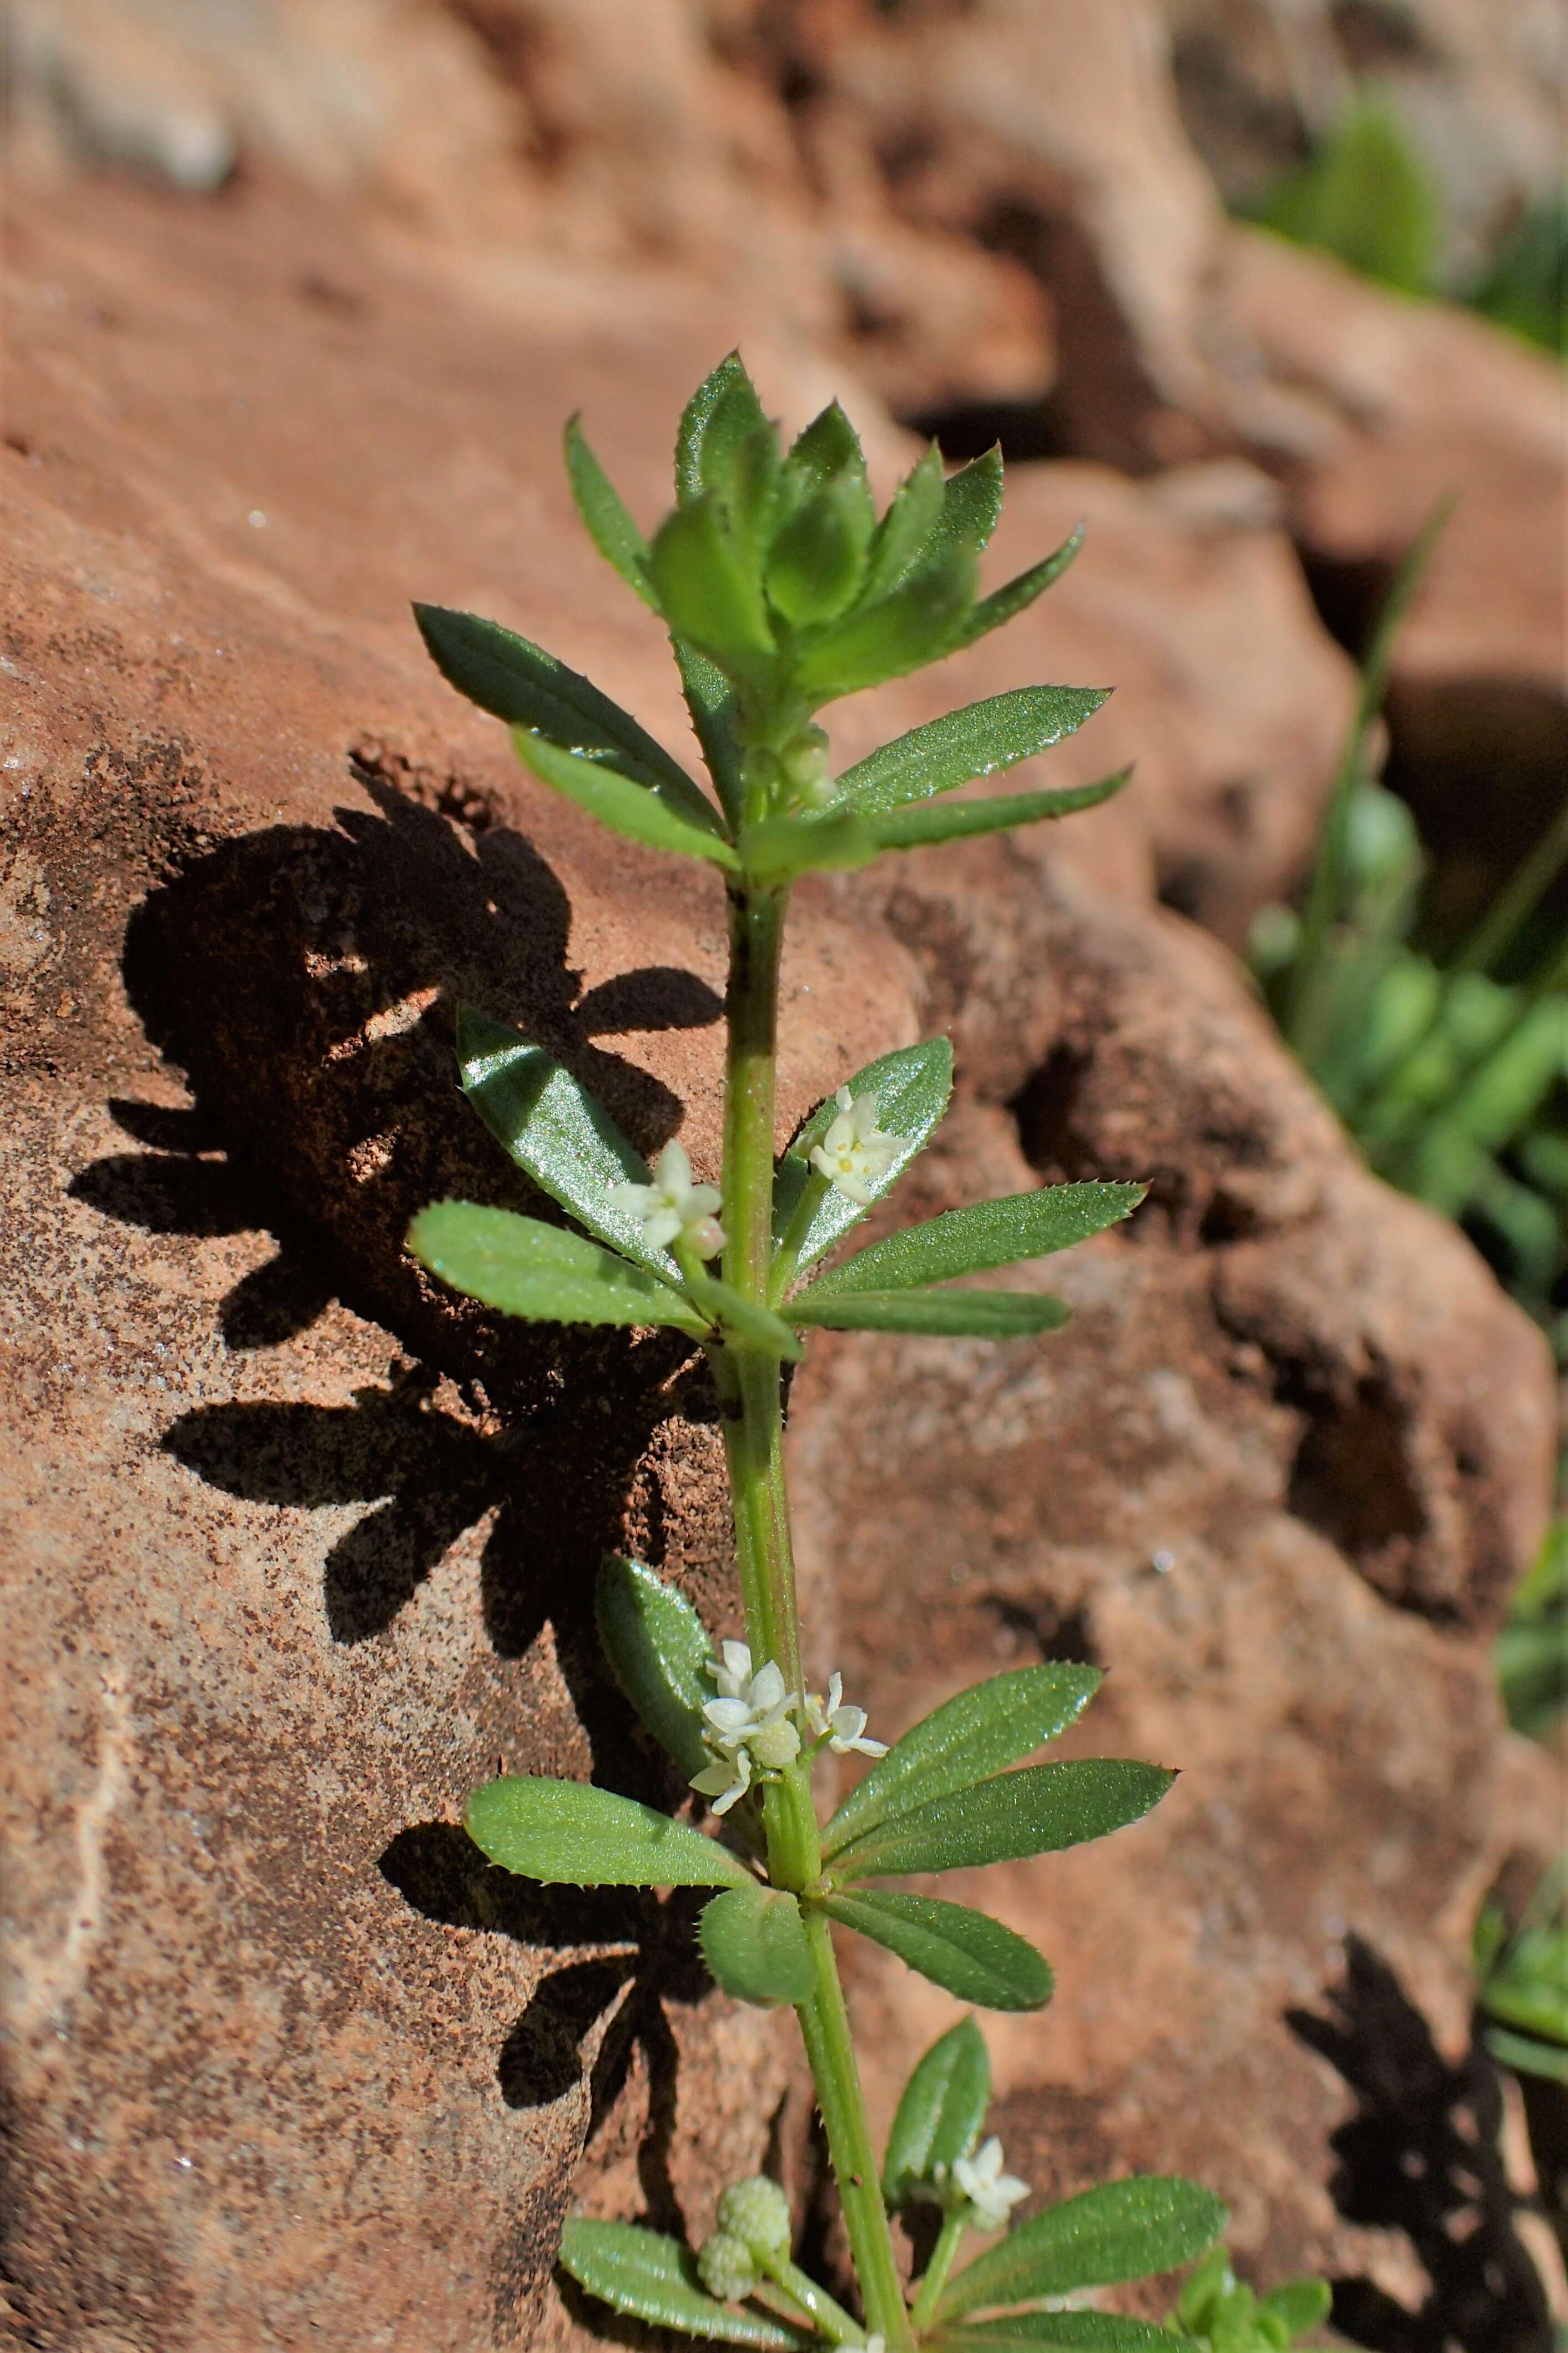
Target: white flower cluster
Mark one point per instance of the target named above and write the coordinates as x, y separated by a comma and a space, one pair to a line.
979, 2182
750, 1728
672, 1208
747, 1727
855, 1151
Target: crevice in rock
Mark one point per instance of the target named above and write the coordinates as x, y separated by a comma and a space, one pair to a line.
1053, 1632
1350, 1477
1421, 2156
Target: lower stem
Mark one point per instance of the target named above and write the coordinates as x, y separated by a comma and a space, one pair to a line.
824, 2028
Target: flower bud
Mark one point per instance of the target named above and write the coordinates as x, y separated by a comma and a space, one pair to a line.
726, 2268
775, 1745
757, 2213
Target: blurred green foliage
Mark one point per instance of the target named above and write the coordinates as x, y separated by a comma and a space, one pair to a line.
1526, 289
1367, 198
1521, 1975
1448, 1062
1532, 1648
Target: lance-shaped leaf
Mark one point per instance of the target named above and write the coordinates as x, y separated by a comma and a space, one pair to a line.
894, 634
828, 455
741, 1316
710, 700
971, 501
624, 806
816, 561
650, 2277
940, 2113
927, 822
910, 1089
540, 1272
974, 742
658, 1648
513, 679
754, 1946
721, 416
567, 1833
1060, 2332
1006, 604
605, 515
777, 849
708, 593
905, 531
553, 1129
954, 1314
992, 1233
1121, 2230
964, 1952
970, 1738
1036, 1811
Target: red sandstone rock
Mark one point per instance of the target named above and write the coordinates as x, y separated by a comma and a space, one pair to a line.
299, 1549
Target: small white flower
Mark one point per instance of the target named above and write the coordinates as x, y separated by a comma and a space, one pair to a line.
731, 1670
747, 1728
992, 2194
726, 1780
845, 1728
855, 1151
672, 1208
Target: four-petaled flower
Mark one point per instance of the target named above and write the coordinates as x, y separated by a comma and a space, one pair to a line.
843, 1728
991, 2193
855, 1151
672, 1208
747, 1728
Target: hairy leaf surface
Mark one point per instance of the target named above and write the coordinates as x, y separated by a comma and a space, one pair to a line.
514, 680
994, 611
1060, 2332
551, 1126
605, 515
622, 805
910, 1088
651, 2277
1038, 1811
1120, 2230
926, 822
969, 1738
754, 1946
658, 1648
941, 2112
540, 1272
967, 1953
954, 1314
567, 1833
976, 741
992, 1233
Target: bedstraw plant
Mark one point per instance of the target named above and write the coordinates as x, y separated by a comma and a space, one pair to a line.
782, 590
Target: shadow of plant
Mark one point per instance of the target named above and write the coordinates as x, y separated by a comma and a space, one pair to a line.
305, 981
1420, 2156
437, 1868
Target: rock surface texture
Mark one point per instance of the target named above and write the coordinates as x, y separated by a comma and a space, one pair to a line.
297, 1547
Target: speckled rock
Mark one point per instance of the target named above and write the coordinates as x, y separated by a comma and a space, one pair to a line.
298, 1549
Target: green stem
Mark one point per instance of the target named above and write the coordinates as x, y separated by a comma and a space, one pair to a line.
941, 2258
751, 1404
828, 2314
824, 2026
